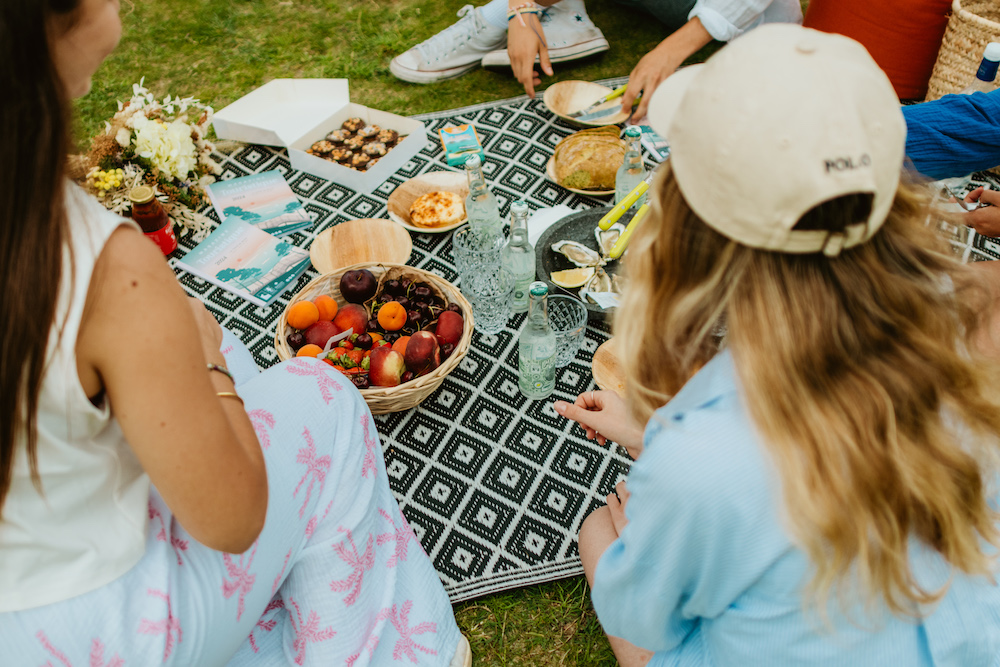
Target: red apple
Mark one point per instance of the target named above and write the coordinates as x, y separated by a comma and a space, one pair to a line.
386, 367
449, 328
321, 332
352, 316
422, 353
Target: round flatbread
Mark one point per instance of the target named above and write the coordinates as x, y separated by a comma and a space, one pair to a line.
437, 209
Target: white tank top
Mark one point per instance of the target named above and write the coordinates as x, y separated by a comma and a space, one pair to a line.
88, 527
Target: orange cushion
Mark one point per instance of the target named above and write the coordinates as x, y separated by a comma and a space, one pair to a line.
903, 36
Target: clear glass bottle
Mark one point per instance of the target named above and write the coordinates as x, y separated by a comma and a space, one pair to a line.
987, 71
481, 206
536, 348
519, 255
632, 171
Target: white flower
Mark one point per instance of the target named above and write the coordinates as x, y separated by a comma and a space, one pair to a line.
124, 137
167, 146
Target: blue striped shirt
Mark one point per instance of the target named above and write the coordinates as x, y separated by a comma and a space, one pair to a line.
705, 573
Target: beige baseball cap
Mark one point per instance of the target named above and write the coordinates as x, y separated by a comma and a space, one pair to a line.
780, 120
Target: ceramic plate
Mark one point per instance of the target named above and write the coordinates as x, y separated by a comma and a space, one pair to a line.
577, 227
607, 367
402, 198
550, 171
566, 97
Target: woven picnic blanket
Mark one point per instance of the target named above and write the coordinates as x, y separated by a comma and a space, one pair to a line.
495, 486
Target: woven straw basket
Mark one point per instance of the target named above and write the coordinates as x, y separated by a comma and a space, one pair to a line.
382, 400
973, 24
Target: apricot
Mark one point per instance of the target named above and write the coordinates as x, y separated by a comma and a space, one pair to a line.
327, 307
309, 350
302, 315
392, 316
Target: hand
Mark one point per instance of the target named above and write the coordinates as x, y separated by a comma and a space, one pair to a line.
985, 220
660, 63
604, 416
616, 506
524, 42
209, 330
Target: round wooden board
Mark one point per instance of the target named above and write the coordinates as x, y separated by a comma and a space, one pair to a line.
566, 97
607, 368
550, 171
402, 198
360, 241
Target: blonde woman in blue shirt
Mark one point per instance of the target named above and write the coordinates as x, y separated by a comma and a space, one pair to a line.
815, 480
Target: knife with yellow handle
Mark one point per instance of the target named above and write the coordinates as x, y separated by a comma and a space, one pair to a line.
619, 247
617, 92
618, 210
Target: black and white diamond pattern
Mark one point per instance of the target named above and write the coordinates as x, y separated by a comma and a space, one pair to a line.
494, 485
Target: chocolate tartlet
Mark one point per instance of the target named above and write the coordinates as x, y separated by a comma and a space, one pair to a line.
323, 146
360, 161
338, 136
375, 149
388, 137
354, 143
369, 133
341, 154
353, 124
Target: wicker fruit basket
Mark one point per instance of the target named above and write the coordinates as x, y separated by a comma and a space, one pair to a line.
973, 24
382, 400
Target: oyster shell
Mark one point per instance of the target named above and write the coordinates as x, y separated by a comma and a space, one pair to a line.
578, 253
600, 282
606, 238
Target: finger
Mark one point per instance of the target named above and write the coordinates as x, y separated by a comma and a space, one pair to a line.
543, 58
623, 492
990, 196
974, 195
635, 86
612, 501
986, 221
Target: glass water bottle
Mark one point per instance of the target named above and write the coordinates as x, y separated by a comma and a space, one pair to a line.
987, 71
519, 256
632, 172
536, 348
481, 206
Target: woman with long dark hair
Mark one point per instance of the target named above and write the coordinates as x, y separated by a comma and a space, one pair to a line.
160, 500
815, 433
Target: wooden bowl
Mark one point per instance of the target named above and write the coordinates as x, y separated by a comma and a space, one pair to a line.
607, 367
565, 97
550, 172
360, 241
402, 198
382, 400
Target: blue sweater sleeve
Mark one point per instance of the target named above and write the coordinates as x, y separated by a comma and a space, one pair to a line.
955, 135
702, 527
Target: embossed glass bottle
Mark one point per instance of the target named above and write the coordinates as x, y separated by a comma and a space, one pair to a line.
519, 256
536, 348
632, 172
481, 206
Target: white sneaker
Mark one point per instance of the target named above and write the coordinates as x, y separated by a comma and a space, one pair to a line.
452, 52
569, 34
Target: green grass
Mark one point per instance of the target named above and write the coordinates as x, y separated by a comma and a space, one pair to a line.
219, 50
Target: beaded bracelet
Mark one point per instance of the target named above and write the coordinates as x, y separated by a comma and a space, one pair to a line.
223, 370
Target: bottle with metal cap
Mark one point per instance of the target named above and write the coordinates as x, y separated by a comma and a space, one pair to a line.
536, 348
987, 72
481, 206
519, 256
632, 172
148, 213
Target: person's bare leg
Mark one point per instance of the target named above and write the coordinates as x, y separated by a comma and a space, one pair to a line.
596, 534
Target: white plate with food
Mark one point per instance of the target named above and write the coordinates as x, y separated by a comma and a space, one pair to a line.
550, 172
431, 203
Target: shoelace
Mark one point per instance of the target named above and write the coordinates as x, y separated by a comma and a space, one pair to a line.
468, 26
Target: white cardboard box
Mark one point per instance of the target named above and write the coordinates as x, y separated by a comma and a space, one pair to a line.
296, 113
